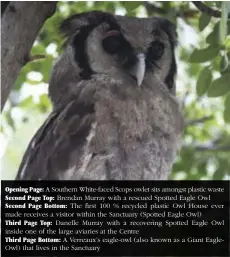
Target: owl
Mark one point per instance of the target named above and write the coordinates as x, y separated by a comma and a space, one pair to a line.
115, 115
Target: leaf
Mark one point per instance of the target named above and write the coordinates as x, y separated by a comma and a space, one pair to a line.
188, 155
203, 21
204, 55
21, 78
227, 115
228, 6
130, 5
224, 63
216, 62
219, 174
220, 86
111, 6
204, 81
44, 103
213, 37
10, 120
218, 4
223, 22
46, 68
28, 101
227, 108
38, 49
227, 101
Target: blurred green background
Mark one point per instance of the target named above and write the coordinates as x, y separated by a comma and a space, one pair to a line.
203, 85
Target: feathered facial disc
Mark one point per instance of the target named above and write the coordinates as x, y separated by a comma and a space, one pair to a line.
122, 46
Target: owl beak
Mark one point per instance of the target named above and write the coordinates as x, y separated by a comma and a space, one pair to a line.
138, 71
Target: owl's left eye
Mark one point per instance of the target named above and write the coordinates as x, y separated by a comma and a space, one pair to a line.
156, 51
112, 42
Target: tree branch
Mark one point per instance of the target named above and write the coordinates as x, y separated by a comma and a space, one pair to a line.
211, 147
208, 10
151, 8
197, 121
35, 58
21, 23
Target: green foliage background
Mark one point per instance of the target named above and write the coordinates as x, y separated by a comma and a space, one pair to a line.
203, 85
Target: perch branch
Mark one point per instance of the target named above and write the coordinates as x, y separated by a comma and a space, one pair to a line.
208, 10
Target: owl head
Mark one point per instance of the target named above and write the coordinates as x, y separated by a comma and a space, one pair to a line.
129, 48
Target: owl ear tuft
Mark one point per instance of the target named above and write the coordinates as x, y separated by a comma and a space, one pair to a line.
76, 21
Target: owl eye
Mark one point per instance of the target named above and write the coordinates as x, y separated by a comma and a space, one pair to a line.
156, 51
112, 42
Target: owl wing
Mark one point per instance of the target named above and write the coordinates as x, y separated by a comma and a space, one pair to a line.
59, 146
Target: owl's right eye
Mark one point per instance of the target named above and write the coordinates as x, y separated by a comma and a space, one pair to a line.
156, 51
112, 42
